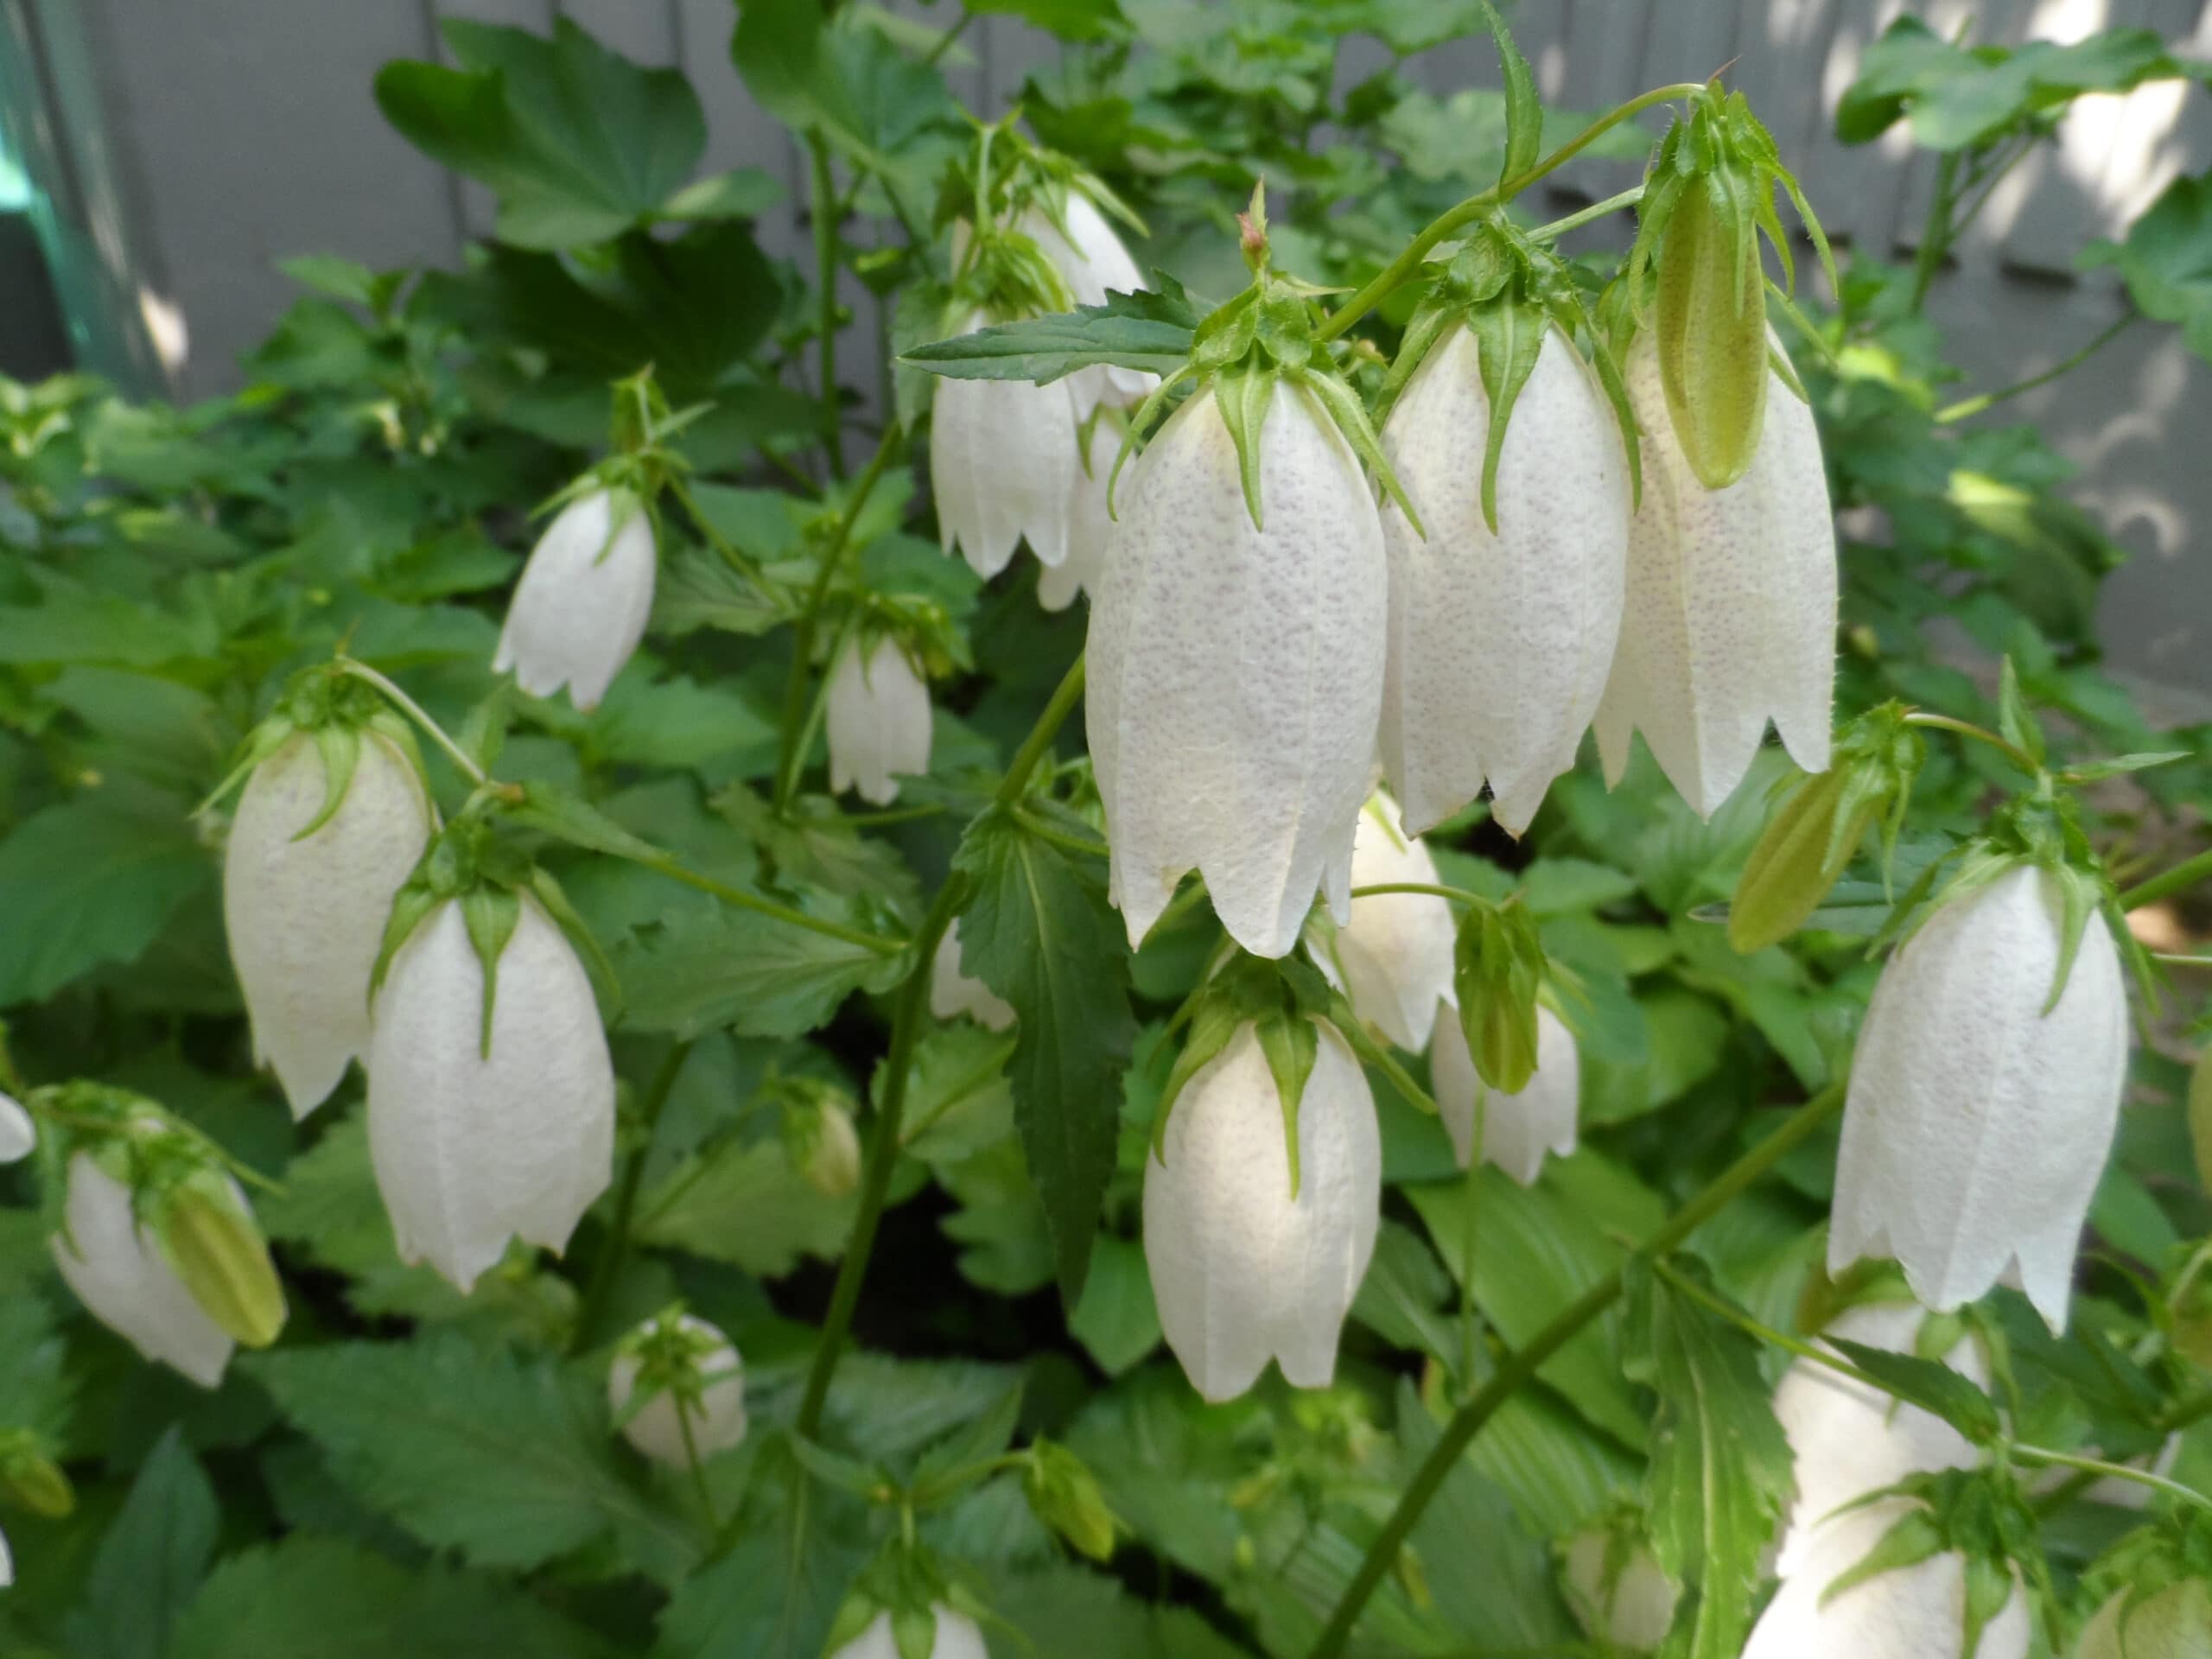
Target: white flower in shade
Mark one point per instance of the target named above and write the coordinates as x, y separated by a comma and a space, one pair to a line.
1500, 644
18, 1134
1977, 1124
1909, 1612
717, 1418
2174, 1623
1630, 1604
581, 604
306, 917
1003, 465
117, 1270
1236, 672
1518, 1129
1242, 1271
471, 1148
957, 1637
1732, 604
1093, 262
878, 720
1393, 958
953, 993
1849, 1440
1090, 525
7, 1564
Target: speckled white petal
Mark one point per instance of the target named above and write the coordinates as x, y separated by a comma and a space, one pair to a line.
718, 1422
1093, 262
1518, 1129
1910, 1613
471, 1151
878, 721
957, 1637
1090, 526
1500, 644
306, 918
118, 1273
1635, 1612
1393, 958
1849, 1440
1237, 674
1241, 1270
576, 616
18, 1134
953, 993
1976, 1126
1732, 603
1003, 465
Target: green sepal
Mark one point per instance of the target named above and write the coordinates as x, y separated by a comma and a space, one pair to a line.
1615, 385
1427, 327
1914, 1538
211, 1244
1214, 1020
1499, 966
1524, 107
340, 749
597, 964
914, 1632
1508, 337
490, 913
1291, 1043
1244, 397
1989, 1587
1345, 407
1139, 425
2016, 722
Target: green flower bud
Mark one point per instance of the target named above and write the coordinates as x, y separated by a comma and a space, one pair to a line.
210, 1241
824, 1146
1712, 327
1067, 1498
31, 1480
2174, 1623
1500, 965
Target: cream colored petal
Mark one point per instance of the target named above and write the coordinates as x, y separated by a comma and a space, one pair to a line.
1518, 1129
717, 1423
878, 721
18, 1134
1636, 1610
953, 993
1910, 1613
1236, 673
1090, 526
1394, 959
581, 604
117, 1271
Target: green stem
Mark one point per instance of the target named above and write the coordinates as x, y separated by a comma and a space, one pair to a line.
825, 276
1398, 270
905, 1028
1521, 1368
666, 865
1935, 231
1722, 1308
2095, 1469
2019, 757
609, 1264
945, 40
420, 715
2187, 874
698, 1473
1458, 895
1383, 1060
1589, 215
1965, 409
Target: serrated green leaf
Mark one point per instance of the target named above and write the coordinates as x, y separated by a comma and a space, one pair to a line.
708, 967
1132, 331
1931, 1385
1117, 1321
151, 1561
1525, 105
744, 1204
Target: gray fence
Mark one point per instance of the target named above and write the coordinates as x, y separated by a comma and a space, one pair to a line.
235, 132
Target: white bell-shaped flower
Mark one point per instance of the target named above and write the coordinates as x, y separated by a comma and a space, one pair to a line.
1500, 644
957, 1637
1393, 958
584, 600
716, 1419
7, 1564
1090, 525
2174, 1623
472, 1148
1849, 1440
1909, 1612
1977, 1124
1236, 672
953, 993
18, 1134
1631, 1609
117, 1270
1242, 1271
1003, 465
1732, 603
1518, 1129
306, 917
878, 720
1093, 262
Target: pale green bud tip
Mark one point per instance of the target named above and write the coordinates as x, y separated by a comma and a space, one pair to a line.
31, 1480
1805, 846
1067, 1498
829, 1151
211, 1243
1711, 331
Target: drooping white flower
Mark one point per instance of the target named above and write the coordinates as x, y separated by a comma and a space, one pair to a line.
878, 720
1090, 525
1977, 1125
470, 1149
1732, 604
1003, 465
957, 1637
1242, 1271
1518, 1129
581, 604
7, 1564
117, 1272
18, 1134
1635, 1610
306, 917
1849, 1440
716, 1419
1500, 644
1909, 1612
953, 993
1393, 958
1093, 262
1236, 672
2174, 1623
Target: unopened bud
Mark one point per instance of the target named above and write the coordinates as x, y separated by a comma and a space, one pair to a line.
2172, 1624
1712, 328
1067, 1498
1500, 964
18, 1135
31, 1480
824, 1146
210, 1241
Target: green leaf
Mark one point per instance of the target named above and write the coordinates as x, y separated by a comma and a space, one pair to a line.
1038, 932
1720, 1465
745, 1203
1931, 1385
82, 625
2166, 260
1072, 20
581, 143
708, 968
151, 1561
1133, 330
310, 1598
1524, 108
1117, 1321
504, 1460
92, 881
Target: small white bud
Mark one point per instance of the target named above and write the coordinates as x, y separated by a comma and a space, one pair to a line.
700, 1375
878, 721
18, 1134
584, 600
117, 1270
953, 993
1393, 958
1632, 1609
7, 1564
957, 1637
1518, 1129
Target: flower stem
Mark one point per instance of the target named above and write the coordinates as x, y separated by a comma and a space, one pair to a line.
698, 1474
667, 866
2096, 1468
1398, 270
1458, 895
604, 1270
1936, 232
2164, 885
1589, 215
2019, 757
415, 712
906, 1026
1965, 409
825, 276
1521, 1368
